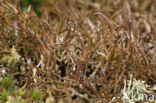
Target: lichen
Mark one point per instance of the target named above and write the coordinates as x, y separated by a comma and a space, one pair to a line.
12, 59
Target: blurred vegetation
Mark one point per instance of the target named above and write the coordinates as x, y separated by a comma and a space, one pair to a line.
34, 3
75, 51
10, 94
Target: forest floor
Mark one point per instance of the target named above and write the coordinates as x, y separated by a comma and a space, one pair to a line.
78, 51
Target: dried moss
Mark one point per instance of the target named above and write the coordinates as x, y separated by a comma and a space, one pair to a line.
78, 51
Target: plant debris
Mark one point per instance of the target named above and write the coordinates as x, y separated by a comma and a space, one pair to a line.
77, 51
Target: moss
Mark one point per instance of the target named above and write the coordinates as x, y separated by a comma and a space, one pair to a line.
12, 59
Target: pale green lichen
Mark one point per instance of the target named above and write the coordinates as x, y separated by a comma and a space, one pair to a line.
12, 59
136, 90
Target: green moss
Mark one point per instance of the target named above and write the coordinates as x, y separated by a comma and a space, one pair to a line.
36, 94
7, 83
11, 60
4, 96
10, 94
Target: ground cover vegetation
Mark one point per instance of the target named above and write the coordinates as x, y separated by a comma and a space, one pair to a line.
77, 51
